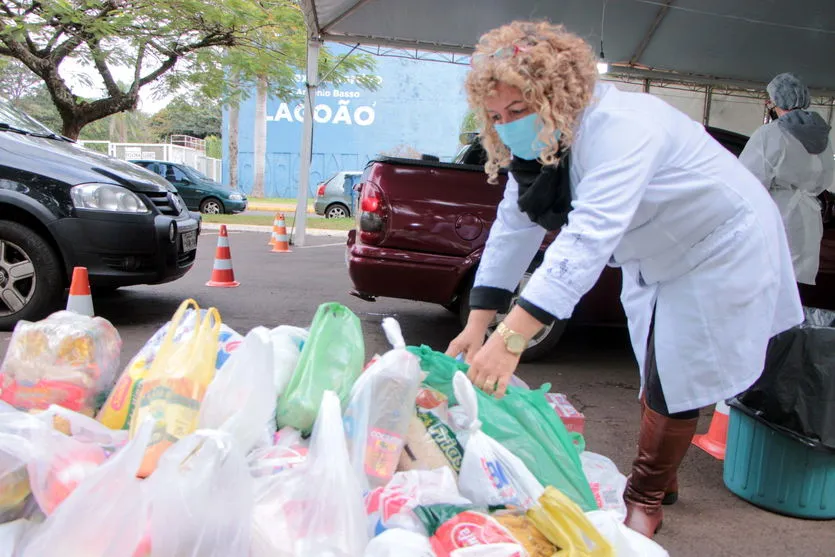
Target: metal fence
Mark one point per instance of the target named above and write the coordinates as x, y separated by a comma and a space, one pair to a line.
180, 154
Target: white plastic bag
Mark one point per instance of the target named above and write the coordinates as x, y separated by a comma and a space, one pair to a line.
107, 514
241, 398
399, 543
377, 416
315, 508
392, 506
11, 534
287, 343
202, 498
606, 482
289, 451
490, 474
625, 541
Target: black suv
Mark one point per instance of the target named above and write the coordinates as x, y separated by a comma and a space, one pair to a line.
63, 206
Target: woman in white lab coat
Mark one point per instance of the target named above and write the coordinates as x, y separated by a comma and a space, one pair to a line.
630, 182
792, 158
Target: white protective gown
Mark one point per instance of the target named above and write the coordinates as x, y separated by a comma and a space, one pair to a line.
794, 178
696, 236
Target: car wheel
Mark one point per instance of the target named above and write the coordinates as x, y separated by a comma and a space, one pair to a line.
540, 345
211, 206
337, 211
31, 279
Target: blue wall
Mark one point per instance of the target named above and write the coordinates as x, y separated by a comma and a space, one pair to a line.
420, 104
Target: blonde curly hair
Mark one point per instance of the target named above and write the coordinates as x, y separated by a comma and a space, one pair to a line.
556, 72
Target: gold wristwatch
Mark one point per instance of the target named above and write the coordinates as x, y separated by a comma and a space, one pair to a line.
513, 341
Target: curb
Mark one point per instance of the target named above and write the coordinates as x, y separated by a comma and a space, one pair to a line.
269, 229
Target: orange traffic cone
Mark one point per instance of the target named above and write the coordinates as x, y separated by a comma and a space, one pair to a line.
274, 232
714, 441
222, 273
80, 300
282, 243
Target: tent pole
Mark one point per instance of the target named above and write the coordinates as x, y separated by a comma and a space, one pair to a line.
311, 84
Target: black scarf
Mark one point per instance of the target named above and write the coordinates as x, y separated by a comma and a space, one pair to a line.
544, 191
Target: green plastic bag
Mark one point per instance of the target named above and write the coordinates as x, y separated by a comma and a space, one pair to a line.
331, 359
524, 423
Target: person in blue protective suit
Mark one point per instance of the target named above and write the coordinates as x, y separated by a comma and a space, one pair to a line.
631, 182
792, 158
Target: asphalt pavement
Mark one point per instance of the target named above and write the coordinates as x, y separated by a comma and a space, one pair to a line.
594, 367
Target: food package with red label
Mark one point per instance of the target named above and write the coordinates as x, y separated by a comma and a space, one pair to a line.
431, 400
452, 528
66, 359
573, 420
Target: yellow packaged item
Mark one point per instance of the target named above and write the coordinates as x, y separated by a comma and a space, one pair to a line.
174, 386
566, 526
528, 536
120, 406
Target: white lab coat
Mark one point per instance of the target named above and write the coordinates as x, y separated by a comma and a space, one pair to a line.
794, 178
696, 236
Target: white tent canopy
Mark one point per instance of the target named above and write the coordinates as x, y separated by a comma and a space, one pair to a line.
741, 43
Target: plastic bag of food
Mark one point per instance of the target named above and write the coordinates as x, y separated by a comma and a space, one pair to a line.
118, 410
202, 497
287, 343
66, 359
15, 490
377, 417
330, 360
393, 506
436, 402
524, 423
399, 543
564, 524
174, 388
526, 533
455, 531
107, 514
83, 428
430, 443
315, 508
625, 542
606, 481
58, 465
241, 398
490, 474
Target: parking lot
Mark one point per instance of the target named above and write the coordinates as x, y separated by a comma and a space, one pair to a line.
593, 366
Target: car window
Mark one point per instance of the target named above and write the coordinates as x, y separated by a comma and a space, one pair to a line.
174, 174
154, 167
20, 120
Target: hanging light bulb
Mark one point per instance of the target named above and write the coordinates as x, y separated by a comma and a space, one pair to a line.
602, 67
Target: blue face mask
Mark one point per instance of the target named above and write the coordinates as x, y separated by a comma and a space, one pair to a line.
520, 136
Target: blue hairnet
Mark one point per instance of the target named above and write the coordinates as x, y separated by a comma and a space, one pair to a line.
788, 92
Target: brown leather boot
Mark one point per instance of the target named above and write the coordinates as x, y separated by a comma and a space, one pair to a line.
662, 444
671, 491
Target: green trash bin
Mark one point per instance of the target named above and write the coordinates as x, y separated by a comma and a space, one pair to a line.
776, 469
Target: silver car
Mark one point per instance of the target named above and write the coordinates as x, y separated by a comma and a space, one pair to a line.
335, 196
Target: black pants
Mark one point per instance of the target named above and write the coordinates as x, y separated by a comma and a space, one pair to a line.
654, 393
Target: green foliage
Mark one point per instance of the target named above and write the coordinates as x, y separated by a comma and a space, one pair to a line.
214, 147
197, 116
470, 122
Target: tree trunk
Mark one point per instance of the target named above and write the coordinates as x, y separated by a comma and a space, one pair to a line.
260, 137
234, 115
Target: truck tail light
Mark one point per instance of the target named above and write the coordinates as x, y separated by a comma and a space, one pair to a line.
372, 214
320, 192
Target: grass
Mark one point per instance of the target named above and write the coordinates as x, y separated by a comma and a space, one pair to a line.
278, 200
267, 220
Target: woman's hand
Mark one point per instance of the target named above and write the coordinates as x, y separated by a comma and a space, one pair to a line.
472, 337
493, 366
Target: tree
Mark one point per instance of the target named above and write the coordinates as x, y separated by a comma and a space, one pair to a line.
16, 80
170, 43
197, 116
470, 122
259, 147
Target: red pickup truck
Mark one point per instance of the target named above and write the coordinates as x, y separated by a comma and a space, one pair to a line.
422, 225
